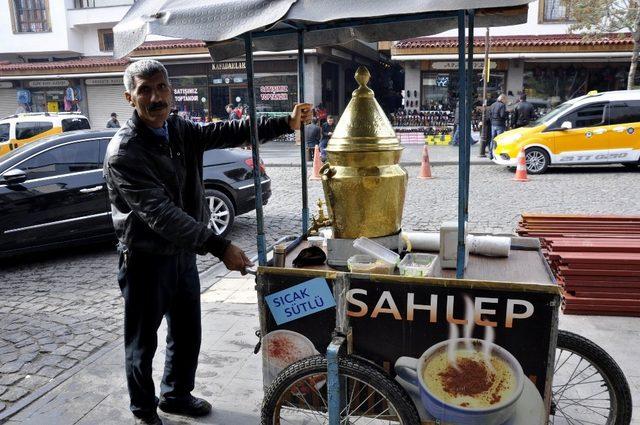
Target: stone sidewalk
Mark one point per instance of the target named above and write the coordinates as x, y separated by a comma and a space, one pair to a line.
230, 375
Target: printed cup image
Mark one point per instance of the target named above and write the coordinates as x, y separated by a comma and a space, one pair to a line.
283, 347
465, 381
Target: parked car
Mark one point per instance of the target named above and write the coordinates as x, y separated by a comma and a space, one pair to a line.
20, 129
53, 194
598, 128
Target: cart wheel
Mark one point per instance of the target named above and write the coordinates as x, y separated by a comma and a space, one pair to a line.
588, 385
299, 395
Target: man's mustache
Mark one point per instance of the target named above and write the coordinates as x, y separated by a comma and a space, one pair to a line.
156, 106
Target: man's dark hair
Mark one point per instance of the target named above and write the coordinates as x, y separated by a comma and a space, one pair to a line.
314, 120
114, 115
329, 116
229, 106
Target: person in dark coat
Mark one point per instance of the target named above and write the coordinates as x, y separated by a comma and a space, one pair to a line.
312, 136
523, 113
498, 116
113, 122
153, 170
327, 132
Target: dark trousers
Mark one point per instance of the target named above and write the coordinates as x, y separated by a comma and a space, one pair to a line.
157, 286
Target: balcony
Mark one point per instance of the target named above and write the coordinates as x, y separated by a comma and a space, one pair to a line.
92, 4
97, 12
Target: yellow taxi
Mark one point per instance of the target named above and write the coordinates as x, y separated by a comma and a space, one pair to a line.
20, 129
598, 128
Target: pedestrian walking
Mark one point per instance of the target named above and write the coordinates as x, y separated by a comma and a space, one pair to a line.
153, 170
327, 132
113, 122
455, 139
498, 116
312, 136
523, 113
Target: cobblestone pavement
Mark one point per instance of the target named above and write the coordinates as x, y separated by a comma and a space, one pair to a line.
58, 308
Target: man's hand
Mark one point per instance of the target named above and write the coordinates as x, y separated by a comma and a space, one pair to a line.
235, 259
301, 114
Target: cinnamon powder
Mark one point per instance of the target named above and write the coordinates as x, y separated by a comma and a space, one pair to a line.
469, 379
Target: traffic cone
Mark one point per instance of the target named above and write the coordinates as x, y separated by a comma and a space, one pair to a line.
316, 164
425, 169
521, 169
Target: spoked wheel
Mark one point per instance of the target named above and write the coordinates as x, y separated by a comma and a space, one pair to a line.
222, 212
588, 385
368, 396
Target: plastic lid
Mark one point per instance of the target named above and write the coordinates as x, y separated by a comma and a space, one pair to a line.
376, 250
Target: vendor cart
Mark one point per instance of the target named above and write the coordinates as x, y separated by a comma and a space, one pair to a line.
472, 346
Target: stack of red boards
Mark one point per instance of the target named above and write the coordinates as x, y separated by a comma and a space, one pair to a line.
596, 259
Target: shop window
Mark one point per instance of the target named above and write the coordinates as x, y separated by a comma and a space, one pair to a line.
25, 130
30, 16
624, 112
105, 38
555, 11
587, 116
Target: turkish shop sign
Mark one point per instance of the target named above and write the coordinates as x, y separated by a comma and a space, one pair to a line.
225, 66
185, 94
453, 65
274, 92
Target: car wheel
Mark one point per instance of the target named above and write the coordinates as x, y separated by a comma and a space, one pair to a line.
222, 212
537, 160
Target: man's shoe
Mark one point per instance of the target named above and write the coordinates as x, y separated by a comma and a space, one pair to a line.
150, 419
191, 406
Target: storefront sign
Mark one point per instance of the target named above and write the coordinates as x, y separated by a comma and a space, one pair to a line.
225, 66
48, 83
6, 85
274, 92
104, 82
300, 300
453, 65
185, 94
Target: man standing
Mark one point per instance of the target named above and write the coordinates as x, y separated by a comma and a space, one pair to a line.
312, 136
153, 169
327, 132
231, 113
523, 113
113, 122
498, 116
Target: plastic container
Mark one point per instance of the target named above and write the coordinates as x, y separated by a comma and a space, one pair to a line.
316, 241
374, 249
418, 264
361, 263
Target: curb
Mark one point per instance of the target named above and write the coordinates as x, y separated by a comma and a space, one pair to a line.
211, 276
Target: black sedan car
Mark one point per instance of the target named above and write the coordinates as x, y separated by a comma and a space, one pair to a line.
52, 192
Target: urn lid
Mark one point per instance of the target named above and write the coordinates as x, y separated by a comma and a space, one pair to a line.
363, 126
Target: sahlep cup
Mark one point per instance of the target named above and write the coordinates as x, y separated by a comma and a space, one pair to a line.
412, 370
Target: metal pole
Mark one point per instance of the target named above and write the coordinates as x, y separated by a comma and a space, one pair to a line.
462, 95
333, 380
303, 144
470, 75
253, 137
483, 138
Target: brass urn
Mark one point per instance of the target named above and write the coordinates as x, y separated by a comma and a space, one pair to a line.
363, 183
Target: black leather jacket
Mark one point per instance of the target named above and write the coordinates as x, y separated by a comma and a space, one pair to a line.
523, 114
155, 188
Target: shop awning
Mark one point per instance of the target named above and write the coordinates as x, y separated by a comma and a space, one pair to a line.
220, 23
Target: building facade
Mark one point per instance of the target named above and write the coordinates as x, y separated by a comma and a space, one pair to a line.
57, 56
539, 58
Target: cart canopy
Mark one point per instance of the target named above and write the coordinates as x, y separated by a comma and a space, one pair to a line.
332, 22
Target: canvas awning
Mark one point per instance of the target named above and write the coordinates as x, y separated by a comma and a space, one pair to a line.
220, 23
